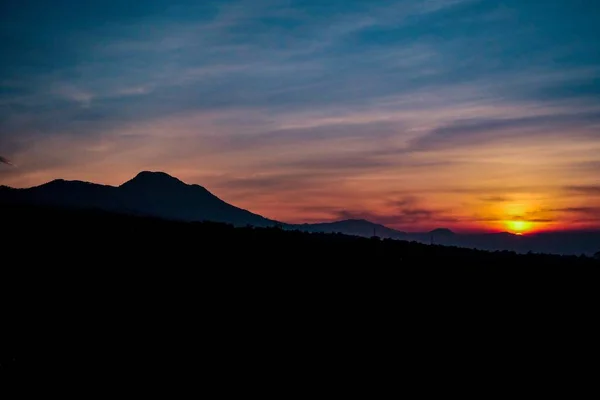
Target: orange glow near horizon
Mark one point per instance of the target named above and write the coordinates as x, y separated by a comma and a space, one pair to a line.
519, 227
426, 202
525, 213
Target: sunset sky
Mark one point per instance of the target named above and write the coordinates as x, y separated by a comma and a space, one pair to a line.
475, 115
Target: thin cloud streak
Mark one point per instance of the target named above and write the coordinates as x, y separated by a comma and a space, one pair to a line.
6, 161
592, 190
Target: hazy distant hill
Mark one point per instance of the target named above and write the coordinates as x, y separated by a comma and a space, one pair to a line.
358, 227
575, 243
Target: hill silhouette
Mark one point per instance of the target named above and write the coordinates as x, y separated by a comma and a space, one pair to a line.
442, 232
161, 195
148, 193
358, 227
91, 291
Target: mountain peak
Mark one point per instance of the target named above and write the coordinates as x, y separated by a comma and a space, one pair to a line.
359, 221
66, 183
442, 231
155, 175
153, 178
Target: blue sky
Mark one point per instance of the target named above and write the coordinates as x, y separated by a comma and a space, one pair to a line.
315, 110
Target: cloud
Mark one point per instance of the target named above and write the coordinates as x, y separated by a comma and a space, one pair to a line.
495, 199
529, 217
482, 131
542, 220
579, 210
562, 214
589, 190
580, 214
402, 219
318, 134
268, 182
70, 92
407, 211
357, 163
4, 160
585, 166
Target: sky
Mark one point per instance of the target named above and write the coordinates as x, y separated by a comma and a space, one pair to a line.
475, 115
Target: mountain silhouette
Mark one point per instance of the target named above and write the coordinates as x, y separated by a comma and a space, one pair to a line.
162, 195
149, 193
158, 194
357, 227
442, 232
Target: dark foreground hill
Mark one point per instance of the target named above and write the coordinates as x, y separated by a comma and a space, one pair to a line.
96, 237
88, 293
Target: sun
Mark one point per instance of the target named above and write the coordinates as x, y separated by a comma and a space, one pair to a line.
519, 227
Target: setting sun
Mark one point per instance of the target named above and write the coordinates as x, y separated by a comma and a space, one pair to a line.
519, 227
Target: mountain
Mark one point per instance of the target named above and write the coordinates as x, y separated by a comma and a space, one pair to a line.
149, 193
156, 193
442, 232
161, 195
357, 227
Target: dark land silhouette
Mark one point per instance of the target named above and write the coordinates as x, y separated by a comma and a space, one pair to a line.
149, 193
94, 293
158, 194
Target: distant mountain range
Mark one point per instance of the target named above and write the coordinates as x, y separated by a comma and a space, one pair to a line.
161, 195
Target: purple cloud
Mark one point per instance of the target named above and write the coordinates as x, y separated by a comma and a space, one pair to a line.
4, 160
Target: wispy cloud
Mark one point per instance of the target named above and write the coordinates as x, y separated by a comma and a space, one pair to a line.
478, 131
584, 189
4, 160
495, 199
423, 218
